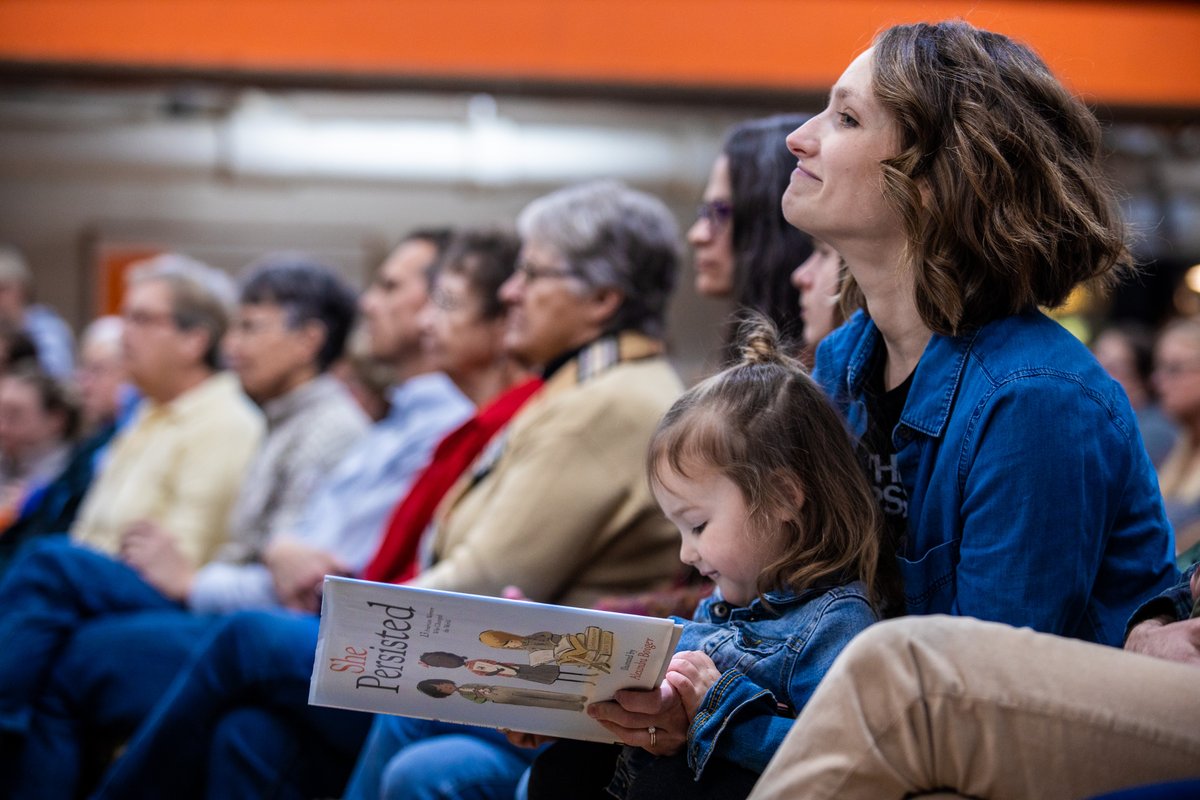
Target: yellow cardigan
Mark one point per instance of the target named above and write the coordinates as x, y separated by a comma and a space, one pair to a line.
179, 464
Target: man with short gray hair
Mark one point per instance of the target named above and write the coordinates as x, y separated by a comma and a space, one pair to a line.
181, 459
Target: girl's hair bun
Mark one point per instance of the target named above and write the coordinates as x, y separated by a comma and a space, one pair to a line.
758, 341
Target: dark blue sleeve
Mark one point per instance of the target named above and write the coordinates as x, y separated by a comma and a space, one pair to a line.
1175, 603
1029, 558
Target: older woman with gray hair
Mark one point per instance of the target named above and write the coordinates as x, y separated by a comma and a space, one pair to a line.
608, 242
558, 505
586, 307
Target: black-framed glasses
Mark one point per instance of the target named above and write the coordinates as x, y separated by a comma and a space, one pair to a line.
144, 318
1174, 369
716, 213
531, 272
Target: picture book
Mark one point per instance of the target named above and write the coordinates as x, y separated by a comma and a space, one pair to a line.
479, 660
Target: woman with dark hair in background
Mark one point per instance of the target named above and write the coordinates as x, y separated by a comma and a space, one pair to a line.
744, 249
39, 418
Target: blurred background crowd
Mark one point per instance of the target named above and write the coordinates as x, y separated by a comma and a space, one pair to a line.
201, 179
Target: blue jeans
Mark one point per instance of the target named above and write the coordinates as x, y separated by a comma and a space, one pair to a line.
236, 721
416, 759
75, 657
104, 682
52, 590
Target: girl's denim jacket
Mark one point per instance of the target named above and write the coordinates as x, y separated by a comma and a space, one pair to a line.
771, 660
1031, 500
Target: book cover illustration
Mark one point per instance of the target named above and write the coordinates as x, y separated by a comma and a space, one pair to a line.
480, 660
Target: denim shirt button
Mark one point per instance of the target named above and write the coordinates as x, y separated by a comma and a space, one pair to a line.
720, 610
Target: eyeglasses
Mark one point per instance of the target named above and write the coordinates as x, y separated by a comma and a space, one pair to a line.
143, 318
251, 326
716, 213
532, 272
1173, 369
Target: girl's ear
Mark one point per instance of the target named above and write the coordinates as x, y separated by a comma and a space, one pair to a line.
783, 502
792, 493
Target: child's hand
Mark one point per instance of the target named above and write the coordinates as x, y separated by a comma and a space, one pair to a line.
691, 673
632, 714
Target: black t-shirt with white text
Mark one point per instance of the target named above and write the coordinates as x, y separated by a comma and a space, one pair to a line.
878, 454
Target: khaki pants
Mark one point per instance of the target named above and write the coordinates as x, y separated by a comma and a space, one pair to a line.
940, 703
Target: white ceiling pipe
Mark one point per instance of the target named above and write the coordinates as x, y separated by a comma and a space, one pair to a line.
150, 145
494, 151
263, 139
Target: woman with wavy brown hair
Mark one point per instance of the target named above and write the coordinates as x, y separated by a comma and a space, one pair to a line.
960, 182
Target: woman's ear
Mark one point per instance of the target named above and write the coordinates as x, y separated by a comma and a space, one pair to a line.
313, 333
603, 304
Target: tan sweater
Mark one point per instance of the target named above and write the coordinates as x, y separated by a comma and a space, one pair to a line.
565, 513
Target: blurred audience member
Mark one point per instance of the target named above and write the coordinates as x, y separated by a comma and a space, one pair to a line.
165, 467
15, 346
1126, 351
51, 336
290, 325
463, 332
744, 248
39, 418
77, 609
106, 397
178, 464
819, 281
586, 307
367, 378
105, 402
345, 520
1177, 378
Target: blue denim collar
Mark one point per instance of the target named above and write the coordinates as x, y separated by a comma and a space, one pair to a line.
778, 601
935, 381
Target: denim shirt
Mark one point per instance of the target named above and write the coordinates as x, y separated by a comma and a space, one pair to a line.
771, 660
1031, 500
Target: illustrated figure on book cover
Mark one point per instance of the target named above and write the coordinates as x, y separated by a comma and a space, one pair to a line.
509, 695
593, 648
487, 668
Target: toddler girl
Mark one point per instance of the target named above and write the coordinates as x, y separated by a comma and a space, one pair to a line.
755, 469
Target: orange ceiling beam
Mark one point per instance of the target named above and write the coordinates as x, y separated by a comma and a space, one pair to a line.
1126, 53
